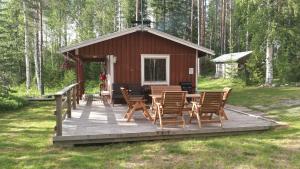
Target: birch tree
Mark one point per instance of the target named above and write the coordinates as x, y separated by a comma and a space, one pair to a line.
26, 48
269, 65
269, 50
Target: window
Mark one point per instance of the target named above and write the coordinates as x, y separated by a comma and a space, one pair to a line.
155, 69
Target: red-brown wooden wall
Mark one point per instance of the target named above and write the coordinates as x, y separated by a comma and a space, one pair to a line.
128, 50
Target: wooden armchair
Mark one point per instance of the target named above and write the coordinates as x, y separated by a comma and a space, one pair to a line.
170, 108
226, 94
210, 104
158, 89
134, 104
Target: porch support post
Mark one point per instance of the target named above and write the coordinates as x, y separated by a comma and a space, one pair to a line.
81, 78
196, 71
77, 80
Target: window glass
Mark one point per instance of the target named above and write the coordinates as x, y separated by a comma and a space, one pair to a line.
155, 69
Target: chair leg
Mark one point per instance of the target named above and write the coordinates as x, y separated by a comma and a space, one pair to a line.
191, 116
183, 122
224, 114
160, 119
126, 114
221, 123
199, 120
155, 117
131, 113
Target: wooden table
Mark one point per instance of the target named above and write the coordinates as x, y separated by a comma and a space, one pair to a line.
156, 97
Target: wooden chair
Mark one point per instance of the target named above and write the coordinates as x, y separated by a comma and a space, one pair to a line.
134, 104
210, 104
226, 94
158, 89
170, 108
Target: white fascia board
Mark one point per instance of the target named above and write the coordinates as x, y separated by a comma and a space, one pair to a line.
100, 39
178, 40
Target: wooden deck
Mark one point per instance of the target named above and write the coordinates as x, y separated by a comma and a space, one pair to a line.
94, 121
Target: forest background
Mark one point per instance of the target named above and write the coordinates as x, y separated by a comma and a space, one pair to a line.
33, 31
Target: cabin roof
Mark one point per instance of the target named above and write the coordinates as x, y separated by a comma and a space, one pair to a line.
132, 30
231, 57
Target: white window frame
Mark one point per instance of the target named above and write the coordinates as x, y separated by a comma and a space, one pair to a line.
155, 56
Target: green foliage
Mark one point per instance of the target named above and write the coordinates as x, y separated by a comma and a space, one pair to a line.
10, 42
172, 17
92, 87
128, 9
11, 102
92, 71
276, 21
69, 78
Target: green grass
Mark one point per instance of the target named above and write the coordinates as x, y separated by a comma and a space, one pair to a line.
251, 96
33, 91
26, 142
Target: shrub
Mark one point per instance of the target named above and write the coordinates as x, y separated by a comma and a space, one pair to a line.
11, 103
69, 78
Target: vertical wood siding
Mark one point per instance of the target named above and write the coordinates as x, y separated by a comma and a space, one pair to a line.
128, 50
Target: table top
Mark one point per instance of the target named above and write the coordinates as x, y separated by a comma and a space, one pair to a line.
195, 95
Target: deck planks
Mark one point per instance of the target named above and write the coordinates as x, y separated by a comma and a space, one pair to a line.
95, 121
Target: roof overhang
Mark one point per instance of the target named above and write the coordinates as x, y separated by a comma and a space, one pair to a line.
231, 57
132, 30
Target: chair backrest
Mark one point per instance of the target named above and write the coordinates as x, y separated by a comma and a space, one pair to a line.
158, 89
226, 94
125, 94
173, 102
211, 102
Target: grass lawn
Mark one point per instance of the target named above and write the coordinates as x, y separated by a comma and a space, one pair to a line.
26, 140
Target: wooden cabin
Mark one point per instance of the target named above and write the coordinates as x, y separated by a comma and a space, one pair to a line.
140, 56
229, 65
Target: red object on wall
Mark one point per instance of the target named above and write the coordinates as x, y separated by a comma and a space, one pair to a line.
102, 77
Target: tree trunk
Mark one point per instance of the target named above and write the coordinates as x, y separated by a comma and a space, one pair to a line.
216, 26
223, 25
65, 33
37, 60
269, 65
42, 91
192, 20
164, 13
230, 27
26, 53
203, 19
198, 38
137, 10
201, 30
247, 25
37, 56
118, 24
